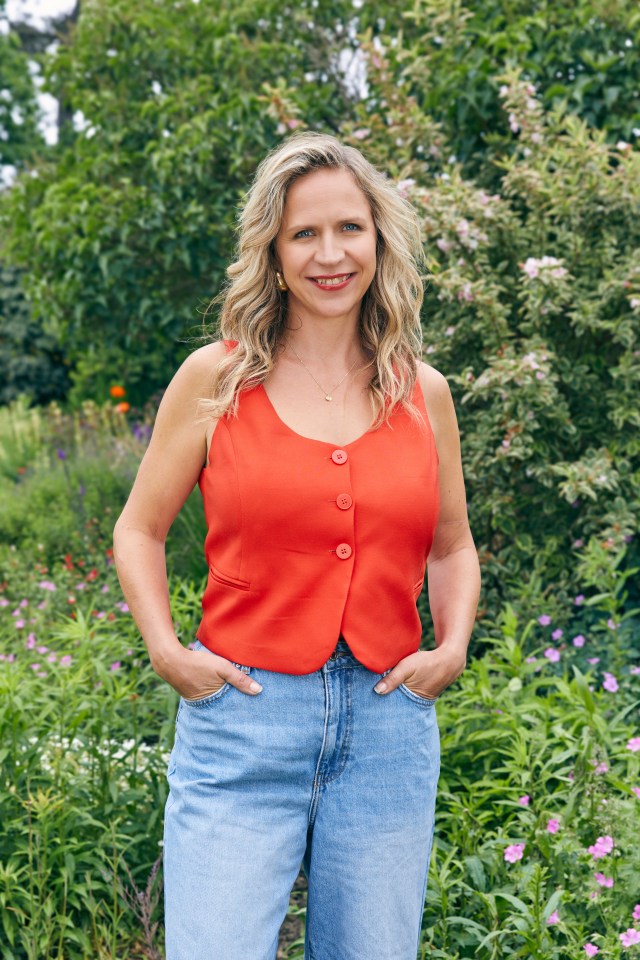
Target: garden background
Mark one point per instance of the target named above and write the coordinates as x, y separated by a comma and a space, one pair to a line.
514, 128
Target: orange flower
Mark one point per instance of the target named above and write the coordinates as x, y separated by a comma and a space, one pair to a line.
123, 406
117, 391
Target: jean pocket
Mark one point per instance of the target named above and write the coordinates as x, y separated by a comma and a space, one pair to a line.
424, 701
217, 694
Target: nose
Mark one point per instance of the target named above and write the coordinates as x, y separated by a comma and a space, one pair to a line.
329, 251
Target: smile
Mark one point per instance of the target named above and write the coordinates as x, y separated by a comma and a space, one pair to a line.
332, 283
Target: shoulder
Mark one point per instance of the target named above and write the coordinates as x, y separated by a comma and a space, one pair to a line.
440, 407
435, 389
195, 373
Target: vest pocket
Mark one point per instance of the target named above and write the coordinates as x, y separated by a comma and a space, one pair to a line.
227, 580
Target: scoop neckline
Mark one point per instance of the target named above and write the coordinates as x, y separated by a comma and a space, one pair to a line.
301, 436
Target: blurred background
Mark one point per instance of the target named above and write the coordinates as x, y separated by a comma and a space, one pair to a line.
129, 133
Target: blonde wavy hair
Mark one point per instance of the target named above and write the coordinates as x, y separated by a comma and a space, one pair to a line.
254, 310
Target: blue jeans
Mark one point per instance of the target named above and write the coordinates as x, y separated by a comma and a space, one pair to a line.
317, 771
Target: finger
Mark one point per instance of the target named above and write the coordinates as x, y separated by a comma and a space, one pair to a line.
388, 683
243, 682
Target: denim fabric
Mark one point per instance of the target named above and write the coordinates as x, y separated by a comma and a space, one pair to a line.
316, 771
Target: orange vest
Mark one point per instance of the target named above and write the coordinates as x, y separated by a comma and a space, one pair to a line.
307, 540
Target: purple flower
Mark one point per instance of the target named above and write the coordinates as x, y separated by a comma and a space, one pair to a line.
602, 880
115, 665
554, 918
66, 660
524, 800
610, 683
634, 670
590, 949
47, 585
530, 660
556, 635
552, 654
636, 912
601, 847
612, 624
634, 744
19, 624
578, 641
601, 768
544, 620
579, 600
630, 937
636, 790
553, 826
42, 649
593, 660
61, 455
514, 852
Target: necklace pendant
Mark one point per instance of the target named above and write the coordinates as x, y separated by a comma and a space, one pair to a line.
328, 398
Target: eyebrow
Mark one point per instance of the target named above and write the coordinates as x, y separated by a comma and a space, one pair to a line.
312, 226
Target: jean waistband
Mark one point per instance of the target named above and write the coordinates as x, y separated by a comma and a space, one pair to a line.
341, 649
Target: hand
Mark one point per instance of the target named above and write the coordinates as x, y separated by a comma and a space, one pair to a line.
426, 673
196, 674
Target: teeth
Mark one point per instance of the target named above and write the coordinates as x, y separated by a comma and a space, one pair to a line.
335, 280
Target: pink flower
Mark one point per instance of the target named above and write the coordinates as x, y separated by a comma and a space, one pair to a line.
514, 852
601, 847
610, 683
544, 620
65, 661
362, 133
630, 937
115, 665
579, 642
19, 624
636, 790
601, 768
30, 642
636, 912
557, 634
34, 666
590, 949
579, 599
634, 670
602, 880
593, 660
554, 918
47, 585
634, 744
42, 649
553, 826
552, 654
612, 624
524, 800
52, 657
530, 659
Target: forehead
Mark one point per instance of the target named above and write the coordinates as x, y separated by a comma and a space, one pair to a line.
322, 190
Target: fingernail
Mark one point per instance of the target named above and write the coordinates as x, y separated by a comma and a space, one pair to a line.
380, 687
255, 687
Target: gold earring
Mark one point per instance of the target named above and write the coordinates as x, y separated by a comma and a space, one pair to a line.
280, 282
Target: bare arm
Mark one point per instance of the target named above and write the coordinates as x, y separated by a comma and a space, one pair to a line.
453, 569
167, 475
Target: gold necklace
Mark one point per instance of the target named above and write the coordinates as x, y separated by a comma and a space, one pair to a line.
328, 394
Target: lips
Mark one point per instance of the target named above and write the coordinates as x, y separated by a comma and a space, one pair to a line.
335, 282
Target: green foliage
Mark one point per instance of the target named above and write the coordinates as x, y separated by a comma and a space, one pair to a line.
31, 363
19, 112
83, 779
130, 228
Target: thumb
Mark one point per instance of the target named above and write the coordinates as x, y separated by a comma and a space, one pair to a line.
388, 682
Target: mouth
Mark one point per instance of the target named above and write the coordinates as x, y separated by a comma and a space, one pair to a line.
336, 282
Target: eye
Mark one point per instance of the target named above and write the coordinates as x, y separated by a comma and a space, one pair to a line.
352, 225
301, 232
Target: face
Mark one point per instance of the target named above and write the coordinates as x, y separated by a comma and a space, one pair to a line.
326, 247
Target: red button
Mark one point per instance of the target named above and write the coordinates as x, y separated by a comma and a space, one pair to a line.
344, 501
339, 456
344, 551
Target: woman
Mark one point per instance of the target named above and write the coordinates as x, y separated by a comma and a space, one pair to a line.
327, 485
